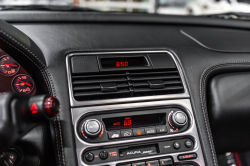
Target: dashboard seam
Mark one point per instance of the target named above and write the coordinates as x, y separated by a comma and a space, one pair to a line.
52, 92
203, 79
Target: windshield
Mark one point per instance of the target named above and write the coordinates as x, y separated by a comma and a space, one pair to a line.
176, 7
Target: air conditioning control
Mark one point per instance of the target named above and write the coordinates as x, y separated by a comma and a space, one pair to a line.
91, 128
178, 119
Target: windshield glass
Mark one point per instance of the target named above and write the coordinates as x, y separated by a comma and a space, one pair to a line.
176, 7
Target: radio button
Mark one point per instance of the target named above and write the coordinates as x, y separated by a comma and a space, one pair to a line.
150, 130
114, 134
166, 162
177, 145
161, 129
187, 156
188, 144
152, 163
89, 156
126, 133
138, 132
139, 164
103, 155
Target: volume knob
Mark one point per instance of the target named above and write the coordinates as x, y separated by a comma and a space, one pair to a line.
178, 119
92, 127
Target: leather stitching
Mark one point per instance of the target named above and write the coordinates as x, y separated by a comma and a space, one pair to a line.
203, 80
51, 93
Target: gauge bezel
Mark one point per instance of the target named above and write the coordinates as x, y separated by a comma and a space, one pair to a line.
19, 66
33, 83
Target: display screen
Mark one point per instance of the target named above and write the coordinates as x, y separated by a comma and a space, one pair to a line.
123, 62
133, 121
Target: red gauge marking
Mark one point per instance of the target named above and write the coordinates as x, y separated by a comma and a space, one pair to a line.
24, 82
9, 64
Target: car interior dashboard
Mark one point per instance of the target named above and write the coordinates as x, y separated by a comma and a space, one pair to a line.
134, 89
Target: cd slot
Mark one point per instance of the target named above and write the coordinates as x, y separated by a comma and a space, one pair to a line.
139, 150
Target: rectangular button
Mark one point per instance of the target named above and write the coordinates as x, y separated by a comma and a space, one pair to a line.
187, 156
126, 133
138, 132
84, 64
150, 130
114, 134
152, 163
166, 162
139, 164
161, 129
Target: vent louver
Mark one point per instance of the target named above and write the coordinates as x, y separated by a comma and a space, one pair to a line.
111, 85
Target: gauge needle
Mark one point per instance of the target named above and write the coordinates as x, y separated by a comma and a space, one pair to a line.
9, 64
24, 82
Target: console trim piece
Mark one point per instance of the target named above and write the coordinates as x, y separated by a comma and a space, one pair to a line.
81, 145
75, 103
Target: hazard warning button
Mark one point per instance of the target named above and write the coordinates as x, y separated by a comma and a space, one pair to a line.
34, 108
166, 162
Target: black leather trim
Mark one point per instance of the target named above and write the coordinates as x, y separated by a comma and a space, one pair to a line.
213, 39
206, 75
25, 51
228, 109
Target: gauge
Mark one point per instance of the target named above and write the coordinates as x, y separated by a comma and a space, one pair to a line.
23, 83
8, 66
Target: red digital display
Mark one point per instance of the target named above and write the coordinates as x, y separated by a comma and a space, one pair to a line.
122, 64
127, 122
133, 121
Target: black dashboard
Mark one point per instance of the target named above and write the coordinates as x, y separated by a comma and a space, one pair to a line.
126, 82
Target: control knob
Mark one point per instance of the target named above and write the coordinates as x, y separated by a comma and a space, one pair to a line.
178, 119
91, 128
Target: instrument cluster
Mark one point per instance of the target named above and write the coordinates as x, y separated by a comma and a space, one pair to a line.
13, 77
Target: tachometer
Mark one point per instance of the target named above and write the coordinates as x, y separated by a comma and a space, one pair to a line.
8, 66
23, 84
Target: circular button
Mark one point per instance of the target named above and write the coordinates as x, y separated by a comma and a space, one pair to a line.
89, 156
178, 119
177, 145
92, 127
188, 144
103, 155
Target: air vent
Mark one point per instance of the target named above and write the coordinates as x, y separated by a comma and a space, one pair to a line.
111, 85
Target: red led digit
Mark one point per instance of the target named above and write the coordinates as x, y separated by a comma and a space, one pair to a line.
122, 64
125, 123
117, 64
126, 63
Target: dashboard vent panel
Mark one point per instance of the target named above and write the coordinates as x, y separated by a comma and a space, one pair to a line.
112, 85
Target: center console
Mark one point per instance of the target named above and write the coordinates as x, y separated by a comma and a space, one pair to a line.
131, 109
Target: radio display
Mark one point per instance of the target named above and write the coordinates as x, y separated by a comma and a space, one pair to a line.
137, 121
123, 62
